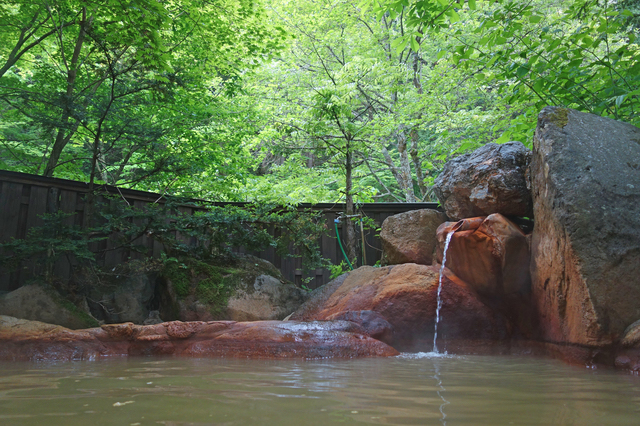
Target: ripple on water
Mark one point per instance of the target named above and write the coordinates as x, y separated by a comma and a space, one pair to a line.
413, 388
428, 355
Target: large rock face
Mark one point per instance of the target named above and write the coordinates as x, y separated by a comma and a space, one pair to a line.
38, 303
124, 298
22, 340
585, 178
406, 297
267, 298
410, 237
257, 292
491, 254
492, 179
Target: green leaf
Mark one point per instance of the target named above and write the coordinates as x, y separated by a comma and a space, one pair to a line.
504, 138
453, 16
472, 4
414, 44
522, 71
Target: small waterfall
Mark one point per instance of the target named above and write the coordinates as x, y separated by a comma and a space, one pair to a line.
444, 260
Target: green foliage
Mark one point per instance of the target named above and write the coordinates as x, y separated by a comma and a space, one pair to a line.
579, 54
353, 75
337, 270
140, 93
211, 235
305, 101
56, 239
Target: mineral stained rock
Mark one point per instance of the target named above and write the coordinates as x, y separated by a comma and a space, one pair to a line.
406, 297
491, 254
35, 341
585, 247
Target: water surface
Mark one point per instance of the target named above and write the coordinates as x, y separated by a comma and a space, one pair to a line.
407, 390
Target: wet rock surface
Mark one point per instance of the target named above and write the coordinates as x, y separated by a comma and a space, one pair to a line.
36, 341
492, 179
490, 254
374, 324
410, 237
585, 180
406, 297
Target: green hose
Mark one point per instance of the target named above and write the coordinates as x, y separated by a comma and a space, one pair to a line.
335, 222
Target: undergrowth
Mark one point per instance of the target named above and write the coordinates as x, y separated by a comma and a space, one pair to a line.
210, 284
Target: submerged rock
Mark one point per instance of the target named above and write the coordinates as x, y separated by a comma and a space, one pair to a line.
36, 341
410, 237
491, 179
406, 297
585, 179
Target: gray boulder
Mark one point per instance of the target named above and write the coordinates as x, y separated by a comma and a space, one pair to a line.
585, 247
410, 237
37, 303
123, 298
256, 291
492, 179
267, 298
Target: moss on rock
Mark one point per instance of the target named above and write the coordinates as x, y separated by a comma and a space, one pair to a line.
560, 117
209, 284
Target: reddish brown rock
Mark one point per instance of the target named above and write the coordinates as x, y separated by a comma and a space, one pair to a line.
490, 254
406, 296
410, 237
32, 340
374, 324
585, 181
492, 179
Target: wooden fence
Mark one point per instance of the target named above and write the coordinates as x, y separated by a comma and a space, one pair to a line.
25, 198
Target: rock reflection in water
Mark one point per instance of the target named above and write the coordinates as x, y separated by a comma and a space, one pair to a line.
425, 389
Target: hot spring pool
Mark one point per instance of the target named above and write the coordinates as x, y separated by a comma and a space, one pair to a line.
408, 390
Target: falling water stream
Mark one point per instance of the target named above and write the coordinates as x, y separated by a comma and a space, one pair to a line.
444, 260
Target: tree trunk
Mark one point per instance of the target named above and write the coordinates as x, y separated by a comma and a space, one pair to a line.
64, 132
417, 165
389, 162
405, 168
350, 230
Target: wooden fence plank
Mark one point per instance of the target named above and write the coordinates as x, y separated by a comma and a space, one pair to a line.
10, 198
145, 242
24, 198
68, 205
37, 206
